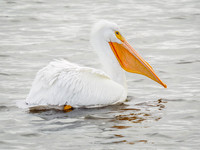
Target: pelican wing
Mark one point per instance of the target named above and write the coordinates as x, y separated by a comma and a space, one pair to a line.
64, 83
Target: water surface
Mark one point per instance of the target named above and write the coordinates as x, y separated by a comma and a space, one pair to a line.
165, 33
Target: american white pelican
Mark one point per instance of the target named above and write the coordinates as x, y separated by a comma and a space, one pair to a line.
62, 83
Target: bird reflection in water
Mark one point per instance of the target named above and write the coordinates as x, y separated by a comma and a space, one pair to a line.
143, 112
115, 117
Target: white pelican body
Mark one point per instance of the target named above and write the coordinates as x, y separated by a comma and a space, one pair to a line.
64, 83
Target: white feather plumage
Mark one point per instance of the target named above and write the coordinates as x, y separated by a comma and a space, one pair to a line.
64, 83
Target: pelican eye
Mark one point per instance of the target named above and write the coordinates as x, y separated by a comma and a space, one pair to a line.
119, 36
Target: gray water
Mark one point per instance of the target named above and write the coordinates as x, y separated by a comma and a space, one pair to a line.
165, 32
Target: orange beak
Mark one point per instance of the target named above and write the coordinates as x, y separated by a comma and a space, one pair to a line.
132, 62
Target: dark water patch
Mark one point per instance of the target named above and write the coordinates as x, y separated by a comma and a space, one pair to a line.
153, 103
174, 100
33, 19
4, 108
128, 142
119, 135
30, 134
58, 123
138, 141
66, 7
49, 114
185, 62
87, 113
157, 105
188, 62
120, 127
140, 80
188, 117
144, 111
196, 14
11, 2
162, 100
162, 71
4, 56
84, 39
11, 74
92, 117
134, 117
4, 74
3, 142
157, 119
178, 18
129, 98
134, 109
122, 141
141, 104
158, 135
43, 109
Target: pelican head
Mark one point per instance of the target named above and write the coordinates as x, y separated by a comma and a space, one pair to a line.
107, 39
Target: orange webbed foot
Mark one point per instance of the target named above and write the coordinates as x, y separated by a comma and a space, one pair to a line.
67, 108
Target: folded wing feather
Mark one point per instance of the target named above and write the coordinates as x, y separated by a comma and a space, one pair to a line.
64, 83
